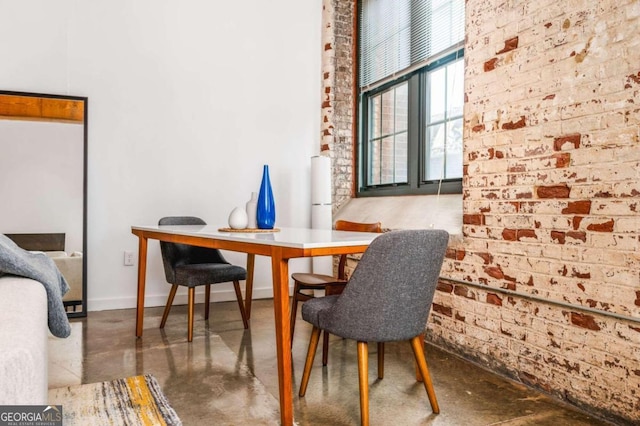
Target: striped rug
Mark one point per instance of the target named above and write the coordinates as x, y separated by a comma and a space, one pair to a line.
132, 401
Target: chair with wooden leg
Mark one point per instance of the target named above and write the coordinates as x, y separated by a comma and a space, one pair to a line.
192, 266
306, 282
388, 298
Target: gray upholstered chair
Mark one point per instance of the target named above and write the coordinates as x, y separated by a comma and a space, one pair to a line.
388, 298
331, 285
193, 266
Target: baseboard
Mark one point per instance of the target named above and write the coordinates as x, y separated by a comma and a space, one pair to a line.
180, 299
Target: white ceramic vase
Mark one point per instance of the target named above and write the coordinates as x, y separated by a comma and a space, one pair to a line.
252, 208
238, 218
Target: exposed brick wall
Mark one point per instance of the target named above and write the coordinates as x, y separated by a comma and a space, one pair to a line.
551, 201
337, 95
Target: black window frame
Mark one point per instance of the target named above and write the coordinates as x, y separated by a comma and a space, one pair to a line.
416, 185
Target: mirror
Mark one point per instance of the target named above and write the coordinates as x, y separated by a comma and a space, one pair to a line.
43, 182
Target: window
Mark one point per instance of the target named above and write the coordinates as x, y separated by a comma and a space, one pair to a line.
411, 96
387, 143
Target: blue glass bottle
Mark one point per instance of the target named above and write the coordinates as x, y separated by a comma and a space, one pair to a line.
266, 214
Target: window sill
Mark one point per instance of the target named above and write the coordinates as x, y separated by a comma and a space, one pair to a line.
407, 212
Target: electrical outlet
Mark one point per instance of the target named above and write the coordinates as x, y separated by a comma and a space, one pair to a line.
128, 258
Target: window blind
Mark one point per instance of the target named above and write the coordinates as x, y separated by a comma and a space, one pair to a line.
397, 35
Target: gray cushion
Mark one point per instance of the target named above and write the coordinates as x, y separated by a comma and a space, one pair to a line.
311, 311
389, 295
192, 266
208, 273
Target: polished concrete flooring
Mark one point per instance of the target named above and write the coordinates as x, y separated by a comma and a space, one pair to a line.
103, 347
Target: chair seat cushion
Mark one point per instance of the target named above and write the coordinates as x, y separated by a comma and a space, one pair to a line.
315, 280
314, 310
208, 273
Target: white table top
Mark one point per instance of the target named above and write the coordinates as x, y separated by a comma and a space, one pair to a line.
304, 238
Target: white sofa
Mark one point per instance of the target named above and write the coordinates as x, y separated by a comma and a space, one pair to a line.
24, 336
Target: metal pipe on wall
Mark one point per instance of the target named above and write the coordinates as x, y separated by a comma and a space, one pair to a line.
543, 300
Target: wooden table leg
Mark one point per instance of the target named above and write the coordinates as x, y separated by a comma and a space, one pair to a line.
251, 259
418, 374
280, 270
142, 273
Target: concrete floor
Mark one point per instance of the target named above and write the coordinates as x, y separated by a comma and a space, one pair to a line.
103, 347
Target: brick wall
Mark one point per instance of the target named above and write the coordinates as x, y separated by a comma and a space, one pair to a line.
337, 102
544, 286
551, 200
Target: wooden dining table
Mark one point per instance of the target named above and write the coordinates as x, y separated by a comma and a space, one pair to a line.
280, 244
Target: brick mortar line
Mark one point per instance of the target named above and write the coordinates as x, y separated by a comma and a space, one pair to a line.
542, 300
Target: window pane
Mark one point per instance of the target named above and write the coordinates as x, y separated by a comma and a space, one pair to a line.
434, 152
388, 108
443, 150
454, 149
455, 88
388, 141
402, 107
374, 120
374, 162
387, 161
401, 160
436, 89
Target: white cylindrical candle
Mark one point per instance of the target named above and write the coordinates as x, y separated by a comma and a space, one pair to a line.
321, 216
320, 180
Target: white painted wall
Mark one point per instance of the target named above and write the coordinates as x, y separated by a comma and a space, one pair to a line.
187, 101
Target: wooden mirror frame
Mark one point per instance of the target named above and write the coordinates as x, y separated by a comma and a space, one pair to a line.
60, 108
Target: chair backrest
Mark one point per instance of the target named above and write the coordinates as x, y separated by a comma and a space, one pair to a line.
174, 254
345, 225
389, 295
